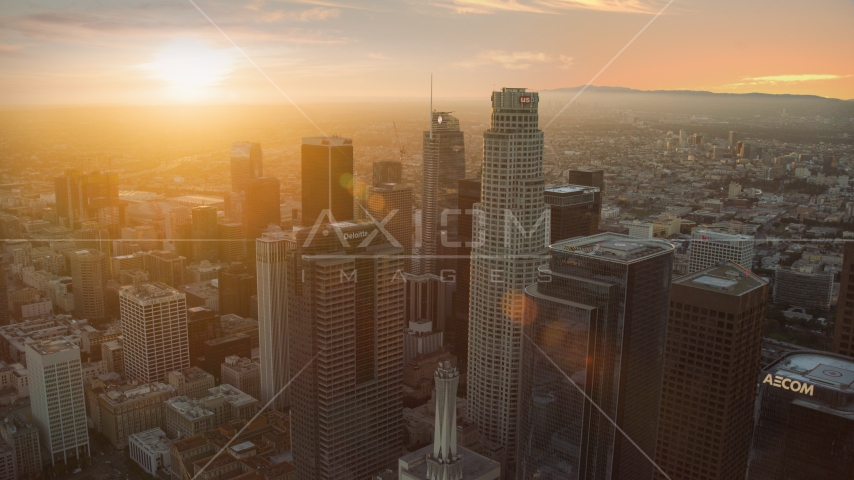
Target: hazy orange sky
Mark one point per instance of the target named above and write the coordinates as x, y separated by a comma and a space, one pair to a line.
154, 52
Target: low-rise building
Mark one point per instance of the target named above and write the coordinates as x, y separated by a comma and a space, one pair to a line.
150, 450
130, 408
191, 382
243, 374
23, 436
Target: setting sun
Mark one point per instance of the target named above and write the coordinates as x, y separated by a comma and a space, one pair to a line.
189, 65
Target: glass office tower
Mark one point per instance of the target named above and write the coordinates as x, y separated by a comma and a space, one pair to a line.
597, 314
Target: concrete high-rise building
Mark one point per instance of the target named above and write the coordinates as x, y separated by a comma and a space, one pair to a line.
90, 271
575, 211
443, 165
394, 202
713, 351
154, 327
444, 459
345, 310
246, 164
804, 426
710, 247
232, 246
262, 206
587, 178
803, 288
165, 266
273, 321
56, 394
387, 171
683, 138
327, 179
469, 195
513, 237
599, 312
205, 233
236, 286
843, 328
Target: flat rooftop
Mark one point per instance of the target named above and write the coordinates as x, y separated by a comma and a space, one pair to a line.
612, 246
150, 291
824, 370
728, 277
569, 189
52, 346
327, 141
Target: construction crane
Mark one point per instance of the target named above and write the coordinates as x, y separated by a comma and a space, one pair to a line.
402, 148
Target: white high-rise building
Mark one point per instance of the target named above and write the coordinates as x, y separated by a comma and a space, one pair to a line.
154, 326
271, 254
511, 234
710, 247
56, 393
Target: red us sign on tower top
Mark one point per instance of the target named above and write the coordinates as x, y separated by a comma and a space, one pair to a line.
525, 100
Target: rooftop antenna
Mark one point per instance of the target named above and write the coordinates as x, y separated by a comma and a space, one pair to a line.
431, 106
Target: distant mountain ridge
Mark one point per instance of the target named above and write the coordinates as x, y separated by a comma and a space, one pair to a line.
700, 102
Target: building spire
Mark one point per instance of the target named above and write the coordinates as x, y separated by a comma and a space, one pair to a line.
431, 106
444, 463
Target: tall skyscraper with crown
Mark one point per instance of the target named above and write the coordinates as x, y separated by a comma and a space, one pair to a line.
511, 234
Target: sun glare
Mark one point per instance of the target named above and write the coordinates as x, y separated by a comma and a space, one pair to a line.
190, 65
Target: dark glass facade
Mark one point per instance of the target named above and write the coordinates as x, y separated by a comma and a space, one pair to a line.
714, 347
805, 423
469, 194
236, 287
327, 178
590, 178
205, 233
387, 171
575, 211
843, 328
597, 314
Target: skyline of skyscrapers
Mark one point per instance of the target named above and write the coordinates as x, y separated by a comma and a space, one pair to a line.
331, 295
514, 231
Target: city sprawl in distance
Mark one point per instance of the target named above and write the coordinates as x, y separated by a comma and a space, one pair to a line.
446, 240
